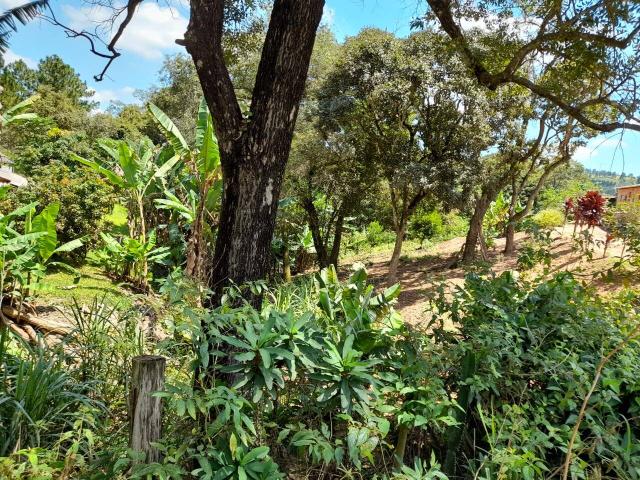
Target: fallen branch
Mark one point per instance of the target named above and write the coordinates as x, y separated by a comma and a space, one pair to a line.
49, 326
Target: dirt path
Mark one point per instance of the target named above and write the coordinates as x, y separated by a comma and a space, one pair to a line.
422, 271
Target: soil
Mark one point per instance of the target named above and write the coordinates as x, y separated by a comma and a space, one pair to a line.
422, 271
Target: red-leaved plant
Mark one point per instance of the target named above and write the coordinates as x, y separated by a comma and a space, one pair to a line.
590, 208
568, 207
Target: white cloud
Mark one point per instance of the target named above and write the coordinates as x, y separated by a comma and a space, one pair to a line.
7, 4
106, 96
150, 34
583, 154
328, 16
11, 56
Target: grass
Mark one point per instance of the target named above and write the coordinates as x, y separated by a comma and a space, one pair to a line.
59, 289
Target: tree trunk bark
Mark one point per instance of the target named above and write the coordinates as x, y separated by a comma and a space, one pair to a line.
247, 221
337, 240
253, 150
145, 410
475, 228
195, 245
510, 239
392, 276
316, 234
286, 264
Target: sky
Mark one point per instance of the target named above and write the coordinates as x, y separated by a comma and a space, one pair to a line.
152, 34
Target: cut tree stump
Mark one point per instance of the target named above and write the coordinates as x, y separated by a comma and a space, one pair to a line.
145, 410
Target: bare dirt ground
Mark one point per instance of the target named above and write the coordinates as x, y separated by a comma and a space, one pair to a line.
422, 271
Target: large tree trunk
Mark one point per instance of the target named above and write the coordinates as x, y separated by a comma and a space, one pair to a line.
253, 150
475, 227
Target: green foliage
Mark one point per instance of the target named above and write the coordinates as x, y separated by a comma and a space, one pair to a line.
376, 234
25, 257
123, 256
549, 218
623, 223
84, 198
537, 347
567, 182
427, 225
39, 399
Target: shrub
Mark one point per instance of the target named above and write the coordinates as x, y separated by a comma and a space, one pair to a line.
454, 225
426, 226
549, 218
377, 235
83, 197
39, 399
525, 357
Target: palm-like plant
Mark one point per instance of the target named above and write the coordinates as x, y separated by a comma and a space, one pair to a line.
136, 172
17, 112
205, 188
21, 13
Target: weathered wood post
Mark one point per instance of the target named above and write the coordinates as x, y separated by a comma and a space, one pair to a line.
145, 410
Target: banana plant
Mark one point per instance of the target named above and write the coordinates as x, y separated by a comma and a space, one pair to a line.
17, 113
25, 257
137, 172
203, 185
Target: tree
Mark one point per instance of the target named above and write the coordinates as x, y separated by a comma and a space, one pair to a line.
253, 149
254, 145
418, 118
571, 46
533, 176
18, 82
63, 79
136, 172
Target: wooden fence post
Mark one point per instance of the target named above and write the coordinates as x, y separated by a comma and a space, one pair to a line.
145, 410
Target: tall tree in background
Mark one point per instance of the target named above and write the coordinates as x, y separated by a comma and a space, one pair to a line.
571, 46
419, 119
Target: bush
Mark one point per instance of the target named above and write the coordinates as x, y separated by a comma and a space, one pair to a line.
525, 357
549, 218
426, 226
83, 197
377, 235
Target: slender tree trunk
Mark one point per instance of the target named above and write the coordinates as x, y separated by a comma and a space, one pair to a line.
510, 230
195, 245
401, 446
510, 239
143, 240
337, 240
392, 276
316, 234
475, 227
286, 264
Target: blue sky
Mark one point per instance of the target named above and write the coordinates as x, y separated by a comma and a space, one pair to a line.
157, 25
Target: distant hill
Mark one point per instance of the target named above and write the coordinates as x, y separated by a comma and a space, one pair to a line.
608, 181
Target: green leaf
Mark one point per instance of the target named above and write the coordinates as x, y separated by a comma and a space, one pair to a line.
170, 131
69, 246
45, 221
256, 454
113, 177
206, 143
